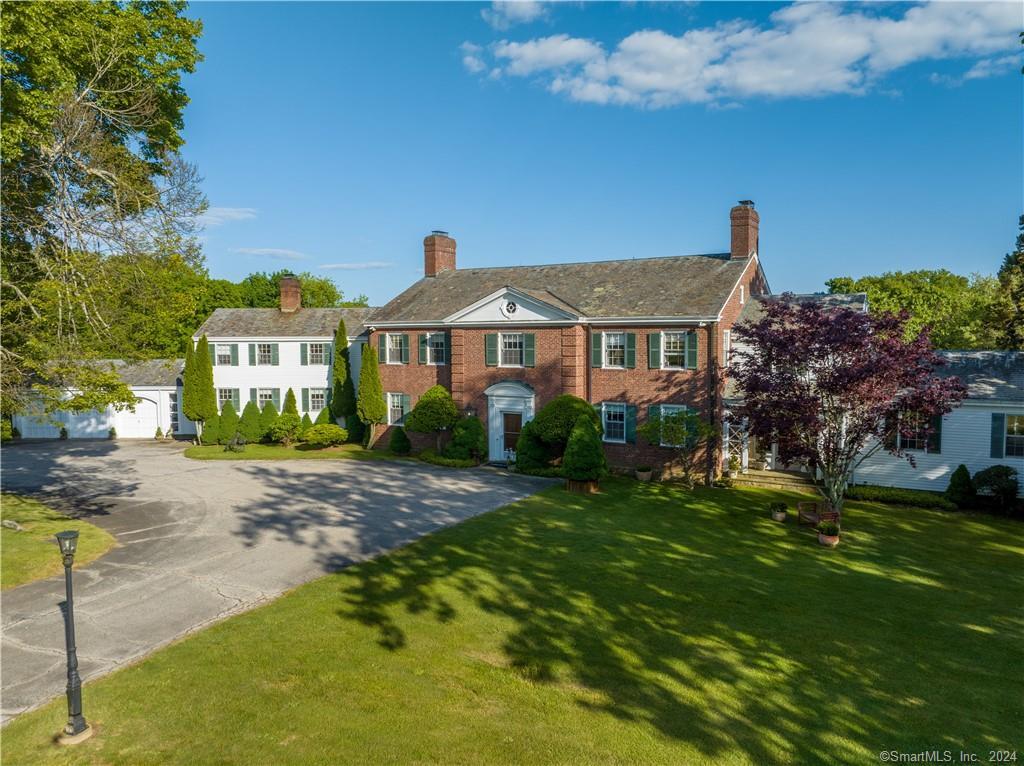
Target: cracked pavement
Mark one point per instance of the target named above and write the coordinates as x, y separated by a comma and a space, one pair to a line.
198, 541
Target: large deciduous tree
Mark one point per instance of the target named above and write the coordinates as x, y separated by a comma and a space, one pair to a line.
263, 290
832, 386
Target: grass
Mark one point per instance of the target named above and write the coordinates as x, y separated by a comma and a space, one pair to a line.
31, 554
646, 624
294, 452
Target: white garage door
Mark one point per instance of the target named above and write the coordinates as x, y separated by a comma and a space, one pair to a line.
140, 423
94, 424
31, 428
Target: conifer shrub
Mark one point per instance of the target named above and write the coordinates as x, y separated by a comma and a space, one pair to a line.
999, 482
249, 426
469, 442
356, 429
556, 420
159, 433
63, 432
399, 443
325, 435
434, 412
211, 430
285, 429
290, 405
228, 423
305, 425
584, 454
324, 418
268, 417
961, 488
112, 433
532, 454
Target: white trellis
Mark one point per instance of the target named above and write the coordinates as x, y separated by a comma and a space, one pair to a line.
735, 442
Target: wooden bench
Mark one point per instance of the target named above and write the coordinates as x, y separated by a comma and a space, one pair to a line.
813, 512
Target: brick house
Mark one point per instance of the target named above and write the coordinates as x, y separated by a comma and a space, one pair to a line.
635, 337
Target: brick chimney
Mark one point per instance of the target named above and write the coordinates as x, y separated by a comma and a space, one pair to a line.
438, 253
745, 223
291, 293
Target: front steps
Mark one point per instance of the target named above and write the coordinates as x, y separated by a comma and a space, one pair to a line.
790, 480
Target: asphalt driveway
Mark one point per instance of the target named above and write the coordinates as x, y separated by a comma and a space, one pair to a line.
201, 540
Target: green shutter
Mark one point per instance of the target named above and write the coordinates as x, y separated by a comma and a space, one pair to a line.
327, 397
252, 394
654, 416
274, 359
303, 354
236, 399
630, 350
654, 350
212, 348
305, 400
599, 409
277, 398
405, 348
252, 356
382, 348
691, 350
935, 437
447, 348
328, 353
630, 424
998, 434
234, 354
529, 349
491, 349
422, 345
406, 405
596, 350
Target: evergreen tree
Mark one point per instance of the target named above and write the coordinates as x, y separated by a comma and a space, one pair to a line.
249, 426
342, 402
370, 406
305, 426
267, 419
1008, 311
584, 458
290, 407
400, 443
211, 430
434, 412
324, 418
204, 397
228, 423
356, 429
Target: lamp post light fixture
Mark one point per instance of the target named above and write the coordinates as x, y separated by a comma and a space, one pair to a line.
76, 730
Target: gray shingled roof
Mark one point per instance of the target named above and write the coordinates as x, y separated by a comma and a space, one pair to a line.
274, 323
683, 285
989, 375
151, 372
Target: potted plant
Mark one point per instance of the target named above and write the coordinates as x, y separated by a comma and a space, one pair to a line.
112, 433
828, 533
644, 472
734, 467
778, 511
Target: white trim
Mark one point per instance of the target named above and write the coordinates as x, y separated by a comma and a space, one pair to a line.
604, 429
675, 408
447, 348
522, 351
521, 296
753, 258
280, 338
388, 396
643, 321
686, 349
387, 348
604, 351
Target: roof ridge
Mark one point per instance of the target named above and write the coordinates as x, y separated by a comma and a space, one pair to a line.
718, 256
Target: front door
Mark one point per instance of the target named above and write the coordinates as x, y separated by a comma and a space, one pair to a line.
512, 426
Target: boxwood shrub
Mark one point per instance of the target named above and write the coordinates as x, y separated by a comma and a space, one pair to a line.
898, 496
430, 456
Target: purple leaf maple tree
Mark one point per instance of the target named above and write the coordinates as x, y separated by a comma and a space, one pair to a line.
832, 386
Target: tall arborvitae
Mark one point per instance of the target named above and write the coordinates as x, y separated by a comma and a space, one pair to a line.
290, 406
249, 425
343, 400
370, 406
228, 423
205, 398
267, 419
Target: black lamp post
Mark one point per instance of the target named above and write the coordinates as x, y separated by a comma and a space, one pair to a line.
76, 726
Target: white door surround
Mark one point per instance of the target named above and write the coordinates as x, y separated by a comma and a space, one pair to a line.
508, 396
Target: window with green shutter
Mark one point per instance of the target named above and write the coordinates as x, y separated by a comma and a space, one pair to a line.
491, 349
630, 350
421, 346
253, 396
998, 435
691, 350
305, 400
596, 349
382, 348
630, 424
236, 399
275, 359
654, 350
303, 354
529, 349
234, 354
252, 354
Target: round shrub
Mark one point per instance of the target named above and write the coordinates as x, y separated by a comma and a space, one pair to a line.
1000, 481
584, 454
557, 419
532, 454
434, 412
325, 435
400, 443
286, 428
469, 442
228, 423
6, 430
961, 489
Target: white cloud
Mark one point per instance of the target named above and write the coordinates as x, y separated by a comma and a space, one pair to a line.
472, 57
363, 266
271, 252
216, 216
989, 67
805, 50
502, 15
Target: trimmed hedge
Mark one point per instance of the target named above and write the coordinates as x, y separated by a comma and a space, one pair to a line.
898, 496
325, 435
469, 442
430, 456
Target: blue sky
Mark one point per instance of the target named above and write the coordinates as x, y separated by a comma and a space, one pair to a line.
332, 137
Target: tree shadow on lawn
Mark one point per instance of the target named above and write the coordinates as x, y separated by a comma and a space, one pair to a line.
696, 615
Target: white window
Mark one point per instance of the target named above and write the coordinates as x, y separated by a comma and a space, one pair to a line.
671, 409
317, 353
511, 349
264, 353
395, 348
614, 349
396, 409
674, 350
264, 395
726, 348
225, 395
173, 402
918, 439
613, 417
436, 348
223, 353
1014, 436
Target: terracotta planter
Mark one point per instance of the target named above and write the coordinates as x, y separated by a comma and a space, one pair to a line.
830, 541
779, 515
733, 474
644, 475
588, 487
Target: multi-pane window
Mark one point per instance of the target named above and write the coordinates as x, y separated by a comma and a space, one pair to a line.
614, 349
613, 417
512, 349
317, 399
225, 395
726, 348
264, 395
913, 435
675, 349
173, 399
666, 411
396, 348
223, 353
1014, 436
317, 353
436, 348
264, 353
396, 409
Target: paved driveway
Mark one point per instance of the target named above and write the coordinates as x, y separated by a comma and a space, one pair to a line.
199, 541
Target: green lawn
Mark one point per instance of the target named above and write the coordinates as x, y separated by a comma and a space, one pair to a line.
31, 554
643, 625
295, 452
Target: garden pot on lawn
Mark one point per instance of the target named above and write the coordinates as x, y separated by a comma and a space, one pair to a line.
830, 541
644, 474
779, 515
586, 487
